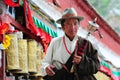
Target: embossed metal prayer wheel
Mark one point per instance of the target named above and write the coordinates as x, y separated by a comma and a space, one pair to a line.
32, 57
92, 27
42, 55
39, 78
12, 54
38, 62
23, 58
39, 58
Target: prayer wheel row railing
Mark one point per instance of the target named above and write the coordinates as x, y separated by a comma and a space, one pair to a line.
23, 58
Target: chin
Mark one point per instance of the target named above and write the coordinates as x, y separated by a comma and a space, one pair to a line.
72, 36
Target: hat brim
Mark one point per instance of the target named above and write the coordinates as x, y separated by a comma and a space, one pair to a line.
77, 17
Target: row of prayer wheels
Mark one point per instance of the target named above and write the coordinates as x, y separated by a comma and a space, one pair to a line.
23, 57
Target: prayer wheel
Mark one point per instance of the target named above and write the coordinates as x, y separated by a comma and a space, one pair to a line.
39, 78
32, 57
39, 52
23, 59
12, 54
38, 61
32, 77
42, 55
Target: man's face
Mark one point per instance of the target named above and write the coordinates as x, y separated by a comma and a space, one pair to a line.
71, 27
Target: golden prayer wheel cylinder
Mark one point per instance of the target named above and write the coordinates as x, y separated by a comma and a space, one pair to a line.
12, 54
39, 52
40, 78
23, 58
32, 77
32, 49
38, 62
42, 55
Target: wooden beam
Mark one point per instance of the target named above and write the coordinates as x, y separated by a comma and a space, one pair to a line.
23, 29
2, 68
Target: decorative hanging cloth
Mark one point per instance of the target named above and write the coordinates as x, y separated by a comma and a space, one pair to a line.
29, 21
44, 36
12, 3
6, 41
109, 70
3, 27
44, 27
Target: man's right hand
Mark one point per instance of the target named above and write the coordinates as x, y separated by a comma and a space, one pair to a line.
49, 70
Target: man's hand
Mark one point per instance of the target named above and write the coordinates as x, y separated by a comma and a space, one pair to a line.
49, 70
77, 59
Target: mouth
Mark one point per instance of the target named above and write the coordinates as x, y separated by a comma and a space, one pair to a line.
72, 31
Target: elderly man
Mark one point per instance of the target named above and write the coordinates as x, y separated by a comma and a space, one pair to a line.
70, 57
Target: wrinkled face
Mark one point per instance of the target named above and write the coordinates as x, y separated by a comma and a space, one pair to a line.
70, 27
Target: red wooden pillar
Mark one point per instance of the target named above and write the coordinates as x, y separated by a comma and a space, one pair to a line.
2, 68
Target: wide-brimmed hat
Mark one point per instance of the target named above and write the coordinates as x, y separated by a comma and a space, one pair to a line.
69, 13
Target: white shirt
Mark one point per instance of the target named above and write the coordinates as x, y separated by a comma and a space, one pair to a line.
57, 52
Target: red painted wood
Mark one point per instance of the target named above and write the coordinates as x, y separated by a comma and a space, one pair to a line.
2, 69
24, 30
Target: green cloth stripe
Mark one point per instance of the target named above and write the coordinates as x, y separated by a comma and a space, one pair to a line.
41, 25
21, 2
115, 73
105, 64
44, 27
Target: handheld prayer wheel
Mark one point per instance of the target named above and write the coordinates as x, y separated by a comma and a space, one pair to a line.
23, 60
32, 57
92, 27
12, 54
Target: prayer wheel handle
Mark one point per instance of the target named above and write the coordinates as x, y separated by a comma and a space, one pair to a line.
92, 27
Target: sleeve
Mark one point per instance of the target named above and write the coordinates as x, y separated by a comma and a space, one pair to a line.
90, 63
47, 59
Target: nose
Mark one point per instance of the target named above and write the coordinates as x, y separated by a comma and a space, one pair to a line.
72, 26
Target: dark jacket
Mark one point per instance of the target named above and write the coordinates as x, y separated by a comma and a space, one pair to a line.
88, 66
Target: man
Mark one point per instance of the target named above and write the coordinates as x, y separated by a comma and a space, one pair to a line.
70, 57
